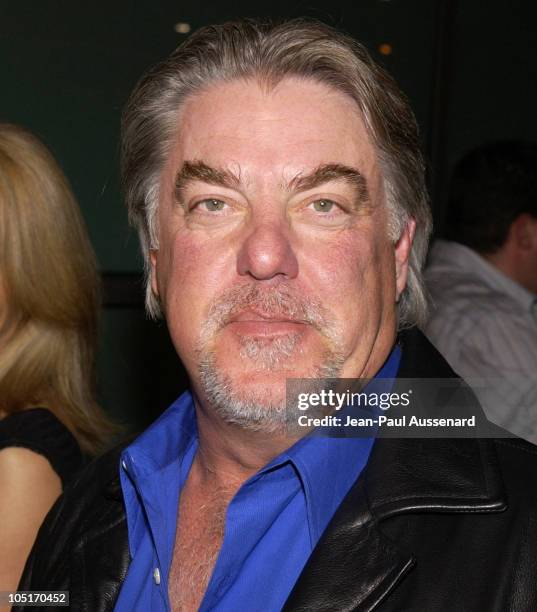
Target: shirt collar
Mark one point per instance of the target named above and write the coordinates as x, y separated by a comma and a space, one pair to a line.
326, 466
167, 439
468, 261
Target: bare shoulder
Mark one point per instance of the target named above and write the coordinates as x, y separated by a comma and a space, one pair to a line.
23, 470
28, 488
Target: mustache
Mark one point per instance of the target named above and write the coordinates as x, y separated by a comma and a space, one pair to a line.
279, 300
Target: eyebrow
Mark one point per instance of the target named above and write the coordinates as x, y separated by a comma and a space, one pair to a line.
198, 170
331, 172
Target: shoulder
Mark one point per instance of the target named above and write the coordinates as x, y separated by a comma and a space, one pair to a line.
459, 294
88, 516
515, 462
40, 431
463, 295
28, 488
22, 467
518, 463
477, 318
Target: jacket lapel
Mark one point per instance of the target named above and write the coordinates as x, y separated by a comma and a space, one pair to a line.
355, 566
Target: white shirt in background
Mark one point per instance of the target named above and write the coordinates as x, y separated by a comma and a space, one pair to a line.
485, 325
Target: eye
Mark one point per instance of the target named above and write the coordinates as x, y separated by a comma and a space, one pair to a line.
211, 205
323, 206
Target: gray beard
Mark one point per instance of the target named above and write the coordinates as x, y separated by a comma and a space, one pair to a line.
254, 409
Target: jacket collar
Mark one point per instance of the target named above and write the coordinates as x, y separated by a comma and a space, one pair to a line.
402, 476
355, 566
442, 474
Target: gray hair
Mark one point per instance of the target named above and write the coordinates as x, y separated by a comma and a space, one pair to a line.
270, 52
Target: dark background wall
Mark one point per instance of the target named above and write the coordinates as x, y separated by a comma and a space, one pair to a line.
468, 67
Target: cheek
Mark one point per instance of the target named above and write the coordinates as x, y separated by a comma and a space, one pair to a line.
177, 262
191, 272
175, 268
345, 267
354, 277
184, 291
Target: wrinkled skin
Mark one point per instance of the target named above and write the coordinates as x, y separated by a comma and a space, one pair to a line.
259, 276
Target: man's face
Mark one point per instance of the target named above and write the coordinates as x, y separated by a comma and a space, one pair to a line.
274, 259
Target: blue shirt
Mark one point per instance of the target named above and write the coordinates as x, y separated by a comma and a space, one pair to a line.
272, 524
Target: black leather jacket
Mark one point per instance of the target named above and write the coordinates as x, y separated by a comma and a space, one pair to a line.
430, 525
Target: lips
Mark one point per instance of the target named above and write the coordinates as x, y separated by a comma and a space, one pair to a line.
263, 317
257, 323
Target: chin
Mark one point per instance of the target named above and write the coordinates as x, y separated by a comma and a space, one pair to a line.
248, 388
248, 400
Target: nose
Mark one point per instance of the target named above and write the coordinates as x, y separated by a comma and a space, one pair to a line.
267, 253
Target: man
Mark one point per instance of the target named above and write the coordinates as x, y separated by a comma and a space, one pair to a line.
275, 177
483, 282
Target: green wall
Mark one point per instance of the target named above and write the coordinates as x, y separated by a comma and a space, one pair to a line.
68, 67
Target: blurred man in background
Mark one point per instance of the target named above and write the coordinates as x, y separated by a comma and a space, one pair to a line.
483, 282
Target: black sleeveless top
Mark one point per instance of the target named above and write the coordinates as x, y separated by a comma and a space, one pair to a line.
40, 431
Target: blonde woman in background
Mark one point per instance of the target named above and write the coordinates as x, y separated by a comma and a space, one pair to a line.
49, 306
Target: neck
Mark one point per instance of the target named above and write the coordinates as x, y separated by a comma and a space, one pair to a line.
511, 266
228, 455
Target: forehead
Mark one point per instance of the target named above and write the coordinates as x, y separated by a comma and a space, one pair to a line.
273, 134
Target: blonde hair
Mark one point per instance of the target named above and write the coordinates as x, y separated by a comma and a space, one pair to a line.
49, 277
270, 52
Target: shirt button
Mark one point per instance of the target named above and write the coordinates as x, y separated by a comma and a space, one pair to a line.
156, 575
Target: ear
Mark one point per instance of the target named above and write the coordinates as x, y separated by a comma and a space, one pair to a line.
153, 259
523, 231
403, 248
